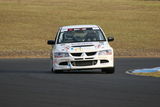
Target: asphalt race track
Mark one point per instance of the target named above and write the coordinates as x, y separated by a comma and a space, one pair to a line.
29, 83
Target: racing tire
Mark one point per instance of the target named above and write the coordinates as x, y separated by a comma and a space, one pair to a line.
108, 70
57, 71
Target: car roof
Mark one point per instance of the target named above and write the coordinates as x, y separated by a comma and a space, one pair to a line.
65, 28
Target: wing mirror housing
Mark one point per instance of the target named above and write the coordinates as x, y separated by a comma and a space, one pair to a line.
50, 42
110, 39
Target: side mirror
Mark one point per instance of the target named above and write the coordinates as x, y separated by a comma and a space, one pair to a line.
50, 42
110, 39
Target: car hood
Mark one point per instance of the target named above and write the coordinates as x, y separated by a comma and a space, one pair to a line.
82, 47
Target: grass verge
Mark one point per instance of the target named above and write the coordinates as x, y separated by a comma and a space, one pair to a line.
26, 25
153, 74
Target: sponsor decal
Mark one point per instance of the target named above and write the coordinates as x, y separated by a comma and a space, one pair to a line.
67, 48
99, 46
69, 65
76, 49
72, 49
54, 61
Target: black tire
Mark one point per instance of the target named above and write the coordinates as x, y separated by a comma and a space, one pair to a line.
52, 70
57, 71
108, 70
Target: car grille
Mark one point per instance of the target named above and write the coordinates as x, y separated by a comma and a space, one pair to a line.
87, 53
63, 63
84, 63
90, 53
76, 54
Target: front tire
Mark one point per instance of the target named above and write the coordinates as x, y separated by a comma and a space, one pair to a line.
57, 71
108, 70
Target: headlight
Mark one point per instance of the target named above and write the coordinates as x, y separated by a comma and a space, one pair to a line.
105, 52
60, 54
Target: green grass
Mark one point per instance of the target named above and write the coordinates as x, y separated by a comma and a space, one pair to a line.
26, 25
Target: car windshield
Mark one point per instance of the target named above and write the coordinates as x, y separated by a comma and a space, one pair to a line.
80, 36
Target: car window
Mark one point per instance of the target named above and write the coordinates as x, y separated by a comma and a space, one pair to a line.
80, 36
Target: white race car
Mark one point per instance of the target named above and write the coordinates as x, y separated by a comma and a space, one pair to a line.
79, 47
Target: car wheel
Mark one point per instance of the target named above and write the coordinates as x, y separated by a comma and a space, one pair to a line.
56, 71
108, 70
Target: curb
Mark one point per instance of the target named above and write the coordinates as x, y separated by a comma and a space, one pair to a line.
146, 70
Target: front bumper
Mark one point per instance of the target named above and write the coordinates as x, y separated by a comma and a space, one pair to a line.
72, 63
